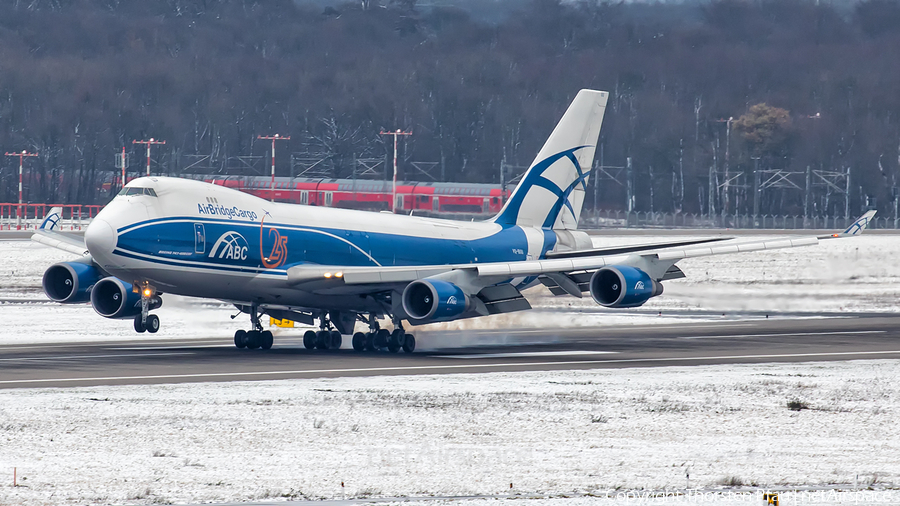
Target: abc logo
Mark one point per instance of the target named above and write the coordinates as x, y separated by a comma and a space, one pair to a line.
231, 245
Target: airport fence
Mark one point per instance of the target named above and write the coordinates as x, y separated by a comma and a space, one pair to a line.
622, 219
30, 216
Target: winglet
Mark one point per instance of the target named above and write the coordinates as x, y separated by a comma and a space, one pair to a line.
51, 222
856, 228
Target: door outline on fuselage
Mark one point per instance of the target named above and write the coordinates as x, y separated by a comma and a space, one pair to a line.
199, 238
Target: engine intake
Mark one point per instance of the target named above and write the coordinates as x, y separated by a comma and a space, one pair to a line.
70, 282
433, 300
114, 298
623, 286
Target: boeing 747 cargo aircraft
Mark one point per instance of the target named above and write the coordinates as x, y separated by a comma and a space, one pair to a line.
335, 267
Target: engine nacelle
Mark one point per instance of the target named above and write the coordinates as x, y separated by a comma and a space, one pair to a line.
623, 286
70, 282
114, 298
433, 300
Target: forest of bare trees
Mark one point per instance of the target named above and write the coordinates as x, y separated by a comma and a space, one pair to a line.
708, 101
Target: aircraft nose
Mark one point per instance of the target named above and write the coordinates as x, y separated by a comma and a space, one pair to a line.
100, 238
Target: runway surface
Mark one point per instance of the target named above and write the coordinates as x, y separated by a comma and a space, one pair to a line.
216, 359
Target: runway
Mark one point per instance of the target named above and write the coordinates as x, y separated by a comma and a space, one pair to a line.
752, 340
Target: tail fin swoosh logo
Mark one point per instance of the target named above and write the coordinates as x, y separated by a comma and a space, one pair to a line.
52, 220
535, 177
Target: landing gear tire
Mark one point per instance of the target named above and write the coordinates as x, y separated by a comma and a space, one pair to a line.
409, 344
240, 339
309, 340
323, 339
370, 341
381, 338
266, 340
152, 323
253, 340
359, 341
138, 326
396, 341
336, 340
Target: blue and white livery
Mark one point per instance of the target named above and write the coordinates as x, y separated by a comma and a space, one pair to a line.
337, 266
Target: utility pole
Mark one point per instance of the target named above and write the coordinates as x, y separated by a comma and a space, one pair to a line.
394, 190
629, 177
148, 143
755, 188
273, 138
21, 156
727, 158
847, 197
122, 162
806, 196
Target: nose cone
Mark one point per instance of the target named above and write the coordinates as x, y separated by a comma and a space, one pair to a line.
100, 239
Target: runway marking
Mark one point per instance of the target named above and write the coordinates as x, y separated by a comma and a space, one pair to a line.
528, 354
181, 347
98, 344
836, 333
70, 357
444, 367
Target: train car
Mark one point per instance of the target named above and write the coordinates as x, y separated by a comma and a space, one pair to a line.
369, 195
436, 199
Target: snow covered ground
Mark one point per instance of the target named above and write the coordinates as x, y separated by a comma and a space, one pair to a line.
606, 433
562, 433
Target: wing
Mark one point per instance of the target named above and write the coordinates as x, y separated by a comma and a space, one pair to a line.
49, 234
567, 273
632, 248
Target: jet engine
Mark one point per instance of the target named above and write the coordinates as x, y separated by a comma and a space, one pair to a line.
70, 282
433, 300
114, 298
623, 286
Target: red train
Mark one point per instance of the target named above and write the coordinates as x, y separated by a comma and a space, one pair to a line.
428, 198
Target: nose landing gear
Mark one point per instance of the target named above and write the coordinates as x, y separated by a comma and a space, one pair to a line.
146, 322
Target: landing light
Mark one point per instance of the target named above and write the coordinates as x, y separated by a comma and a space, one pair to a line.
147, 292
338, 274
327, 274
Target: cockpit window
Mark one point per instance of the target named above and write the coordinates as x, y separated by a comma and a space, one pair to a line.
137, 191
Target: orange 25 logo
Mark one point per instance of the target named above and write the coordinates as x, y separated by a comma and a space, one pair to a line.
278, 255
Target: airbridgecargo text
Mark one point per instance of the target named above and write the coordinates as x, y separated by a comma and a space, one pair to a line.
230, 212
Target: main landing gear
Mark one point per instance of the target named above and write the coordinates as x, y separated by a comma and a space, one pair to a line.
325, 338
256, 338
146, 322
379, 339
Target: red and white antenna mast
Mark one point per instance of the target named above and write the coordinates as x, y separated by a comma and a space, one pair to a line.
21, 156
273, 138
148, 143
122, 162
394, 190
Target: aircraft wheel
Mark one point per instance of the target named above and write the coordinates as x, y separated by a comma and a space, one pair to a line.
381, 338
396, 341
409, 345
252, 340
138, 326
266, 340
359, 341
323, 339
336, 340
240, 339
370, 341
152, 323
309, 340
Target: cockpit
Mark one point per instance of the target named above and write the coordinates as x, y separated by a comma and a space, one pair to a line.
134, 190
